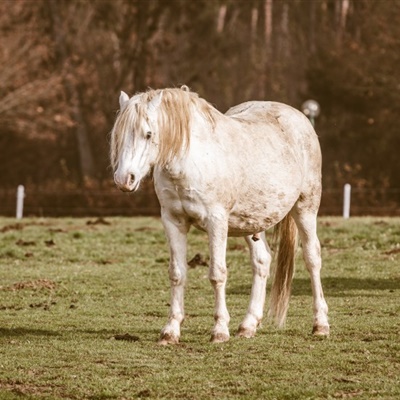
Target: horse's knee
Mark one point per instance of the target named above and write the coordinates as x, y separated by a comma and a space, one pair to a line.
261, 265
261, 270
217, 275
177, 275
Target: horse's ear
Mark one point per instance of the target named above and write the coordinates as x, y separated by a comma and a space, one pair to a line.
185, 88
123, 100
155, 102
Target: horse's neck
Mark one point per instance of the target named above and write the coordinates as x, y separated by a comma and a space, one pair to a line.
212, 132
208, 147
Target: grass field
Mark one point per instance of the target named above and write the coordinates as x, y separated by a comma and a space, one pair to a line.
82, 303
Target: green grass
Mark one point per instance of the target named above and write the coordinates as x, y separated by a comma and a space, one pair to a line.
68, 288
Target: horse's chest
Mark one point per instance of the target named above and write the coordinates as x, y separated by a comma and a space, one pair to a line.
193, 204
184, 201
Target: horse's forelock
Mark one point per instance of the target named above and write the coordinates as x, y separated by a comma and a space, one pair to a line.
124, 125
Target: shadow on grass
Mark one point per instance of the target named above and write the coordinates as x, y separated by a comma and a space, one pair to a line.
101, 333
333, 287
21, 332
346, 286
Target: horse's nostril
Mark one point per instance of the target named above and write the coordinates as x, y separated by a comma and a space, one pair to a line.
131, 179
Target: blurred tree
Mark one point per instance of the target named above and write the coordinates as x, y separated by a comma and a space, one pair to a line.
70, 23
30, 97
63, 63
357, 83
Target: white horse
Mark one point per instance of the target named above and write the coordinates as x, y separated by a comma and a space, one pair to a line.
238, 174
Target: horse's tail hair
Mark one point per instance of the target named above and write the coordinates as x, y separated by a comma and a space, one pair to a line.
286, 233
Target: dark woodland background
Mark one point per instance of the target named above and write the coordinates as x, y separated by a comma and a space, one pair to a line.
63, 64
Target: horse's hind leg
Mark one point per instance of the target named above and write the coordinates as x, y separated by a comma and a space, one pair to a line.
260, 255
306, 222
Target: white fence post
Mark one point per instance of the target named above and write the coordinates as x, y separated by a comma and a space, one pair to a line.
346, 200
20, 201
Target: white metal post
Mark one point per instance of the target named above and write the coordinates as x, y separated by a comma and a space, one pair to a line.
346, 200
20, 201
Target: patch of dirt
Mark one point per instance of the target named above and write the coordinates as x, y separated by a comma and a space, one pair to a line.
126, 337
106, 262
19, 226
15, 308
197, 260
146, 229
26, 389
12, 227
98, 221
44, 305
57, 230
393, 251
144, 393
21, 242
50, 243
33, 285
381, 222
346, 380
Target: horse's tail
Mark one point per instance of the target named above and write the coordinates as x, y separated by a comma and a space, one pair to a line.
286, 233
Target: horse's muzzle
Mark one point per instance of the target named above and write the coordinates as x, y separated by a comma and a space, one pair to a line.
128, 183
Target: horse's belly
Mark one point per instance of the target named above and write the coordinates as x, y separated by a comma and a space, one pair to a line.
258, 214
248, 223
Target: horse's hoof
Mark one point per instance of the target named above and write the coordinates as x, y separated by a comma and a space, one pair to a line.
219, 337
245, 332
319, 330
168, 338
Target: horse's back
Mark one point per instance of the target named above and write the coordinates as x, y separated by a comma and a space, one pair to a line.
275, 113
280, 122
249, 108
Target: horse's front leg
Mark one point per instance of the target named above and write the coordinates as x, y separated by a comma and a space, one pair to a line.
217, 234
176, 231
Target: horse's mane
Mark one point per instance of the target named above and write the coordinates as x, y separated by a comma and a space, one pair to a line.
175, 115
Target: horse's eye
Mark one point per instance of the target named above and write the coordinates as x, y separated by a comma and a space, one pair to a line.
148, 135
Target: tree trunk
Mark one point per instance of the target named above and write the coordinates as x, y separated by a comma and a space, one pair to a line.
221, 18
253, 29
266, 76
87, 165
311, 39
342, 9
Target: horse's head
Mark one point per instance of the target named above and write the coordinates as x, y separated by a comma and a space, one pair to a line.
135, 139
153, 128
